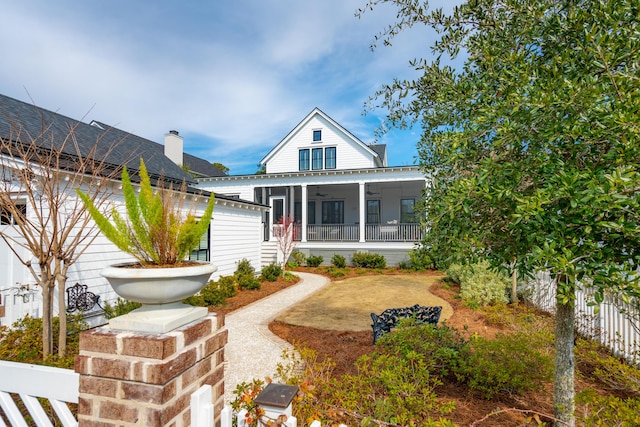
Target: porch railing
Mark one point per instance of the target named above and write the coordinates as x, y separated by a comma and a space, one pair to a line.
351, 232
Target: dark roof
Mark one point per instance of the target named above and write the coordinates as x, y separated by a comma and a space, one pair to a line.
381, 151
116, 146
200, 167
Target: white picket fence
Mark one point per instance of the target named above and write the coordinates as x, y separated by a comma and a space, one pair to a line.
202, 413
59, 386
615, 325
30, 382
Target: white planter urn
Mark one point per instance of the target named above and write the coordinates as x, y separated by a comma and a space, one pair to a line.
160, 290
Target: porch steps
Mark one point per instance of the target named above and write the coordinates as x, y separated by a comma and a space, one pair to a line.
269, 252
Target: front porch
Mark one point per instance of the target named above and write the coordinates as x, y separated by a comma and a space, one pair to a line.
407, 232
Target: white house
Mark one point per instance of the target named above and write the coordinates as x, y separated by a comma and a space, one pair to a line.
235, 231
340, 191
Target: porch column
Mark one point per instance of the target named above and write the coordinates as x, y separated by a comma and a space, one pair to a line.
361, 194
292, 201
303, 236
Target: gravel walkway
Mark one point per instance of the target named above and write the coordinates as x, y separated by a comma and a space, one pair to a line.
253, 351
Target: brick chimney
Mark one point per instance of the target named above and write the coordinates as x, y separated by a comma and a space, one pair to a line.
173, 147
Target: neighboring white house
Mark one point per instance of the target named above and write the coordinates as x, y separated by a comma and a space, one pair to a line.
235, 231
340, 191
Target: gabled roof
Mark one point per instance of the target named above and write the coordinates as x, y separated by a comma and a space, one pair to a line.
118, 147
314, 112
381, 150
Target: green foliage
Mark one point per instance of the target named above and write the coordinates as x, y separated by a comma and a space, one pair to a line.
604, 411
479, 285
338, 261
507, 364
245, 275
454, 272
442, 346
532, 147
297, 258
245, 396
121, 307
23, 341
420, 259
368, 260
314, 260
271, 272
600, 366
156, 230
215, 293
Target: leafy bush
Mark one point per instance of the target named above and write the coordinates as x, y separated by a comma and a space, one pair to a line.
595, 410
420, 259
442, 345
507, 364
599, 365
368, 260
23, 341
479, 285
214, 293
121, 307
397, 389
297, 259
338, 261
314, 260
245, 275
454, 273
482, 286
271, 272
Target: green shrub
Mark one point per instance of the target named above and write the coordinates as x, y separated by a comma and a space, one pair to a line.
596, 362
314, 260
403, 265
336, 272
23, 341
479, 285
507, 364
297, 259
244, 267
245, 275
454, 273
271, 272
595, 410
442, 345
397, 389
214, 293
122, 306
338, 261
368, 260
420, 259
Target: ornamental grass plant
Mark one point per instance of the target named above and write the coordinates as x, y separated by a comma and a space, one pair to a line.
157, 229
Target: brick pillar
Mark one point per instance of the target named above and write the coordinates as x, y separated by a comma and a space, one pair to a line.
137, 379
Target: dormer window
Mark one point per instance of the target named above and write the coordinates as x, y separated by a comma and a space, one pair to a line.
317, 135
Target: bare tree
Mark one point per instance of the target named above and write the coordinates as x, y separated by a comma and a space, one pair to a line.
284, 232
40, 172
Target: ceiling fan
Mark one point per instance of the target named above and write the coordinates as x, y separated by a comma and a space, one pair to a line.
318, 193
369, 192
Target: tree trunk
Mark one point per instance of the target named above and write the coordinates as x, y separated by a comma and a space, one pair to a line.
62, 315
47, 317
564, 392
514, 286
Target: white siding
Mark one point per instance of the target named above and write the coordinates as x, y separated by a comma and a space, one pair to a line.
349, 154
235, 234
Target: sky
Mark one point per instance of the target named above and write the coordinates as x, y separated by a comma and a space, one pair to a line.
233, 77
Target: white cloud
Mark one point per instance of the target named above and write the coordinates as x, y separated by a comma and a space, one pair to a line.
234, 76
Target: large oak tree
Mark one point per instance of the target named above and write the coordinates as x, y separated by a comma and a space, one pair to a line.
532, 143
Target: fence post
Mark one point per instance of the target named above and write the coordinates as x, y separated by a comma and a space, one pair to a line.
201, 407
147, 379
